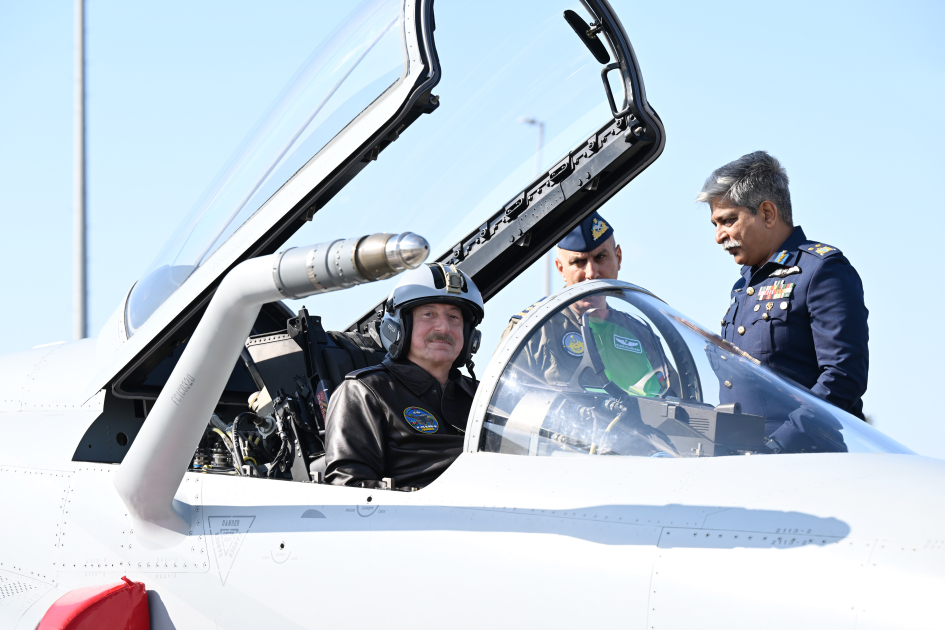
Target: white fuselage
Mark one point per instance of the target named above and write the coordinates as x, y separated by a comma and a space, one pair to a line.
827, 540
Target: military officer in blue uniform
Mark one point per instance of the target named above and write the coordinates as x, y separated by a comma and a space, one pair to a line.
798, 306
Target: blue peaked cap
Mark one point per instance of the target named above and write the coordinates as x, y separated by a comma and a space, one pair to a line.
588, 235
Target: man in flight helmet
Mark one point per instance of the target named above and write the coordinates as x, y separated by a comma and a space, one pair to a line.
405, 419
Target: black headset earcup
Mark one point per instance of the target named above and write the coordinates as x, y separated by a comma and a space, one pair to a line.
401, 347
476, 341
472, 339
393, 332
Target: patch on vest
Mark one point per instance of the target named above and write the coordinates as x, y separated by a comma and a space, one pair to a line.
421, 420
573, 344
628, 344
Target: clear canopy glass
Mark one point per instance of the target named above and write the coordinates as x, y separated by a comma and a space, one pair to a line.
516, 94
360, 61
618, 372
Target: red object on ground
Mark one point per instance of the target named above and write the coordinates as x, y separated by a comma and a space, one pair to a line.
122, 606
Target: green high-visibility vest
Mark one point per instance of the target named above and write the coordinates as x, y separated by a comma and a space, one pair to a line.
625, 357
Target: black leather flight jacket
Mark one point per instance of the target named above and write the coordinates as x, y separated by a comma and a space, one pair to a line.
395, 420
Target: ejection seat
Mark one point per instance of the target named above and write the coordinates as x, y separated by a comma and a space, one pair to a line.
307, 355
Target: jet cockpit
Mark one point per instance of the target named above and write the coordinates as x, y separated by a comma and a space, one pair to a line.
622, 466
606, 368
370, 83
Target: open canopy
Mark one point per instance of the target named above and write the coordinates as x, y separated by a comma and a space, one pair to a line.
470, 178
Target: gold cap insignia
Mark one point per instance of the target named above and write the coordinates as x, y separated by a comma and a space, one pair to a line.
598, 227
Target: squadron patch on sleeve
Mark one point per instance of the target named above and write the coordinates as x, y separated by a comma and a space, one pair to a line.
421, 420
573, 344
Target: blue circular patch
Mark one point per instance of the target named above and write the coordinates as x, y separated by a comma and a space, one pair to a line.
421, 420
573, 344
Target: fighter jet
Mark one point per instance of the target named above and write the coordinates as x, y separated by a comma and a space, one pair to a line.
661, 479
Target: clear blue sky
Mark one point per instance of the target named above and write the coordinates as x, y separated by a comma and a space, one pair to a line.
848, 95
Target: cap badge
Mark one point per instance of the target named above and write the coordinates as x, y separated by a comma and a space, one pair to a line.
421, 420
598, 227
573, 344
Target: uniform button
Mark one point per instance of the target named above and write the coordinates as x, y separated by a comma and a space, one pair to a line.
757, 306
783, 306
723, 322
764, 316
728, 384
750, 291
741, 330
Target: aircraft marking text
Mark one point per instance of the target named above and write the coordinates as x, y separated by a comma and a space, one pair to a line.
227, 533
182, 389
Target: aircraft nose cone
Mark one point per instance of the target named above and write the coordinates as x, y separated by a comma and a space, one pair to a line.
407, 251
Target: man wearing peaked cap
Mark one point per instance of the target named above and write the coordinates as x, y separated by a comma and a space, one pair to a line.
588, 252
590, 234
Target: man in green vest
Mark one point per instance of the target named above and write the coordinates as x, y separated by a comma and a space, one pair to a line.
624, 345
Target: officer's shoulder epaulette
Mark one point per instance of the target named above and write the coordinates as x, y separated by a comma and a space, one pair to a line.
819, 249
525, 311
358, 373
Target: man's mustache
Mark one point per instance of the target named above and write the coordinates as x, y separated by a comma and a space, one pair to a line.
730, 244
435, 336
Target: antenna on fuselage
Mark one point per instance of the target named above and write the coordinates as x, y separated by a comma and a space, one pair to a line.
80, 259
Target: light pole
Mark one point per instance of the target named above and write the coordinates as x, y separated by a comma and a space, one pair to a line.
80, 275
541, 145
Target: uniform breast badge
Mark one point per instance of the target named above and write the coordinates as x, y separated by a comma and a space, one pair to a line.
627, 344
787, 271
421, 420
776, 291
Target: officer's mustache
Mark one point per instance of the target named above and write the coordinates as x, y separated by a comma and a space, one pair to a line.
730, 244
435, 336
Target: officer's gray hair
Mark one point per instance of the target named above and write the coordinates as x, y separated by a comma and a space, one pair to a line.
749, 181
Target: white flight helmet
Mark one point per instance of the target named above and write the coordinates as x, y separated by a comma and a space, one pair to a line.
433, 282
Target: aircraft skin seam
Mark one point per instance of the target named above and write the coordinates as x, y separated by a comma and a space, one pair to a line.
21, 403
861, 601
650, 619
